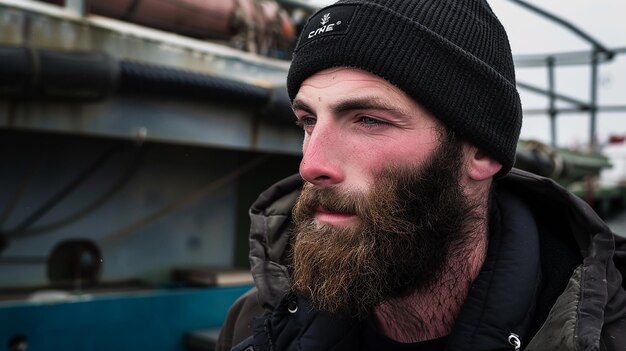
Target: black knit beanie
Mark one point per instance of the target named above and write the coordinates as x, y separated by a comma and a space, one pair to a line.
451, 56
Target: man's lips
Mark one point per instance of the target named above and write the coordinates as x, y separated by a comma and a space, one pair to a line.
336, 218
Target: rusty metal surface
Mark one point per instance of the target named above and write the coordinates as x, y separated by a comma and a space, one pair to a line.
26, 22
180, 121
198, 17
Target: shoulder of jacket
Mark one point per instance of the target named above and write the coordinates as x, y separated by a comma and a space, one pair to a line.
544, 194
236, 326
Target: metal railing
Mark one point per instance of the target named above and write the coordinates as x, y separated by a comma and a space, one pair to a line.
598, 54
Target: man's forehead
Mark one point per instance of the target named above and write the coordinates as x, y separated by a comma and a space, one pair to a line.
359, 101
342, 84
346, 74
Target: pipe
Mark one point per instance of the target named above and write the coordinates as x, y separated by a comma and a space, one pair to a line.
137, 76
552, 102
607, 108
257, 26
581, 104
573, 58
33, 73
593, 144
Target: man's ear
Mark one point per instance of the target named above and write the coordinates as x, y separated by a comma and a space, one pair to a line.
480, 165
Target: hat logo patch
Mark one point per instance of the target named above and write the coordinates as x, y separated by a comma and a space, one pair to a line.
332, 21
325, 28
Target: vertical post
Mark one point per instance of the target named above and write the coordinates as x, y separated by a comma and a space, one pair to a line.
77, 6
552, 108
593, 105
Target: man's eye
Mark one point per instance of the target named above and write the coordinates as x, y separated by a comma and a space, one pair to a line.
306, 122
370, 121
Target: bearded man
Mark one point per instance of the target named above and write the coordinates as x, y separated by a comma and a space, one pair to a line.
411, 231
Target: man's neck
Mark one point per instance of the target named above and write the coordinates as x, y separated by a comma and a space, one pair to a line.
430, 313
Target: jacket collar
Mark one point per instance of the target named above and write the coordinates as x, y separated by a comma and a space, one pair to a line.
500, 305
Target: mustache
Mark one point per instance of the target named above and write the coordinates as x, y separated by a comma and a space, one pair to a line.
380, 207
331, 199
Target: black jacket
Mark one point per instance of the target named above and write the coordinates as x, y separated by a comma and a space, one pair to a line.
550, 279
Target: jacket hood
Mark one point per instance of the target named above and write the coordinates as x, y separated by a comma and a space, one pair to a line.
270, 229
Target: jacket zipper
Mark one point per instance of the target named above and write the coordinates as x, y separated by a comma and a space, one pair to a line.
515, 341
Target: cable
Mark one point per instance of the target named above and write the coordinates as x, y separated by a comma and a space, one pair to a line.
107, 195
65, 191
17, 195
186, 200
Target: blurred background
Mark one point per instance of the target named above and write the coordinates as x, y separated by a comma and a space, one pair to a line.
135, 134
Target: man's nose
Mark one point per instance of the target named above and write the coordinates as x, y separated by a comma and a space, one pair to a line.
321, 158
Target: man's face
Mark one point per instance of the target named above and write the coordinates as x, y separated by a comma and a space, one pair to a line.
357, 124
383, 207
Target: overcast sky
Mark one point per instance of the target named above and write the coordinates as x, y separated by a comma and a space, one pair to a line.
531, 34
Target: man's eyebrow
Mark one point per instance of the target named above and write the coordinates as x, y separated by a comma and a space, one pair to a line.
359, 103
367, 103
301, 105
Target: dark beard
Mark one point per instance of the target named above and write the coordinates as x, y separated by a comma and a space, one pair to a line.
409, 224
